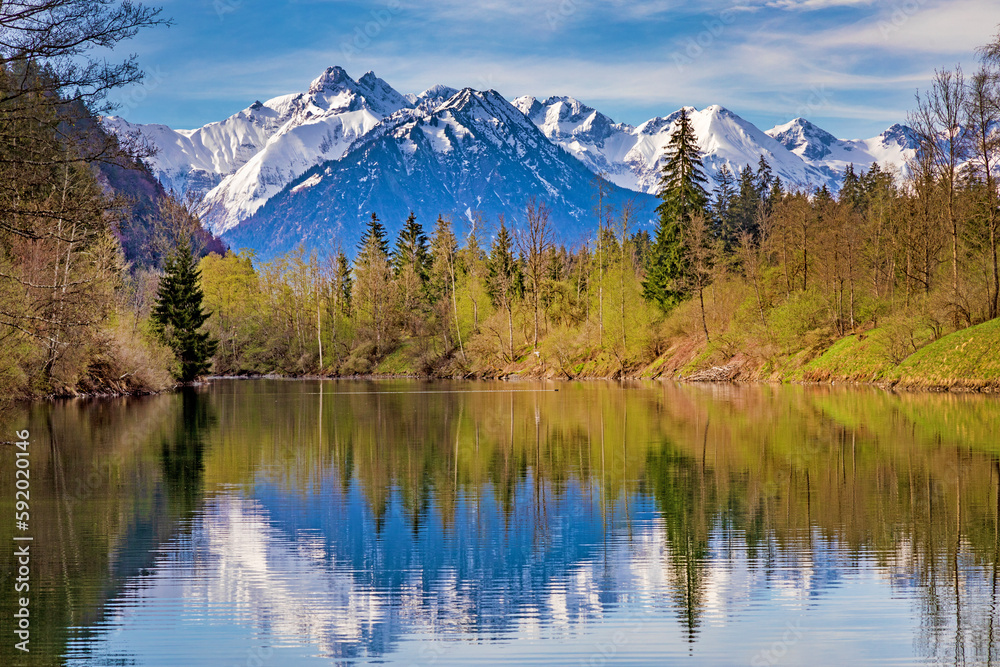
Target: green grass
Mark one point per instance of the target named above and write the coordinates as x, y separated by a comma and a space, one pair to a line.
967, 358
399, 362
858, 357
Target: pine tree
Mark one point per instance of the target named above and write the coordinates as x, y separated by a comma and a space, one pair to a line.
763, 179
411, 249
444, 245
776, 194
851, 190
722, 204
373, 279
684, 196
504, 281
374, 240
177, 315
342, 284
746, 204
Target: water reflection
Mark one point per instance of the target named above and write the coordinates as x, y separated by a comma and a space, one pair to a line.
284, 523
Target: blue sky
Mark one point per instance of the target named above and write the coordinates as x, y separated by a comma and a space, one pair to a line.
851, 66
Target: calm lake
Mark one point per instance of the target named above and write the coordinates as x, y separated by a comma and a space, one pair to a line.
269, 522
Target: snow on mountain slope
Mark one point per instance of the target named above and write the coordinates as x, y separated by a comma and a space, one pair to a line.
198, 159
489, 153
632, 156
473, 154
321, 125
891, 149
585, 133
724, 138
238, 163
431, 98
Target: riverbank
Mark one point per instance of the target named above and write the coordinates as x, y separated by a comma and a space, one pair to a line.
967, 360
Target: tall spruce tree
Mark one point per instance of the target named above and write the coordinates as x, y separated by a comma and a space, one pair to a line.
373, 295
177, 315
722, 205
683, 196
411, 249
342, 284
374, 240
504, 282
763, 179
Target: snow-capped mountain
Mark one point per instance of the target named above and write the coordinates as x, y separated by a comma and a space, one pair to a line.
801, 153
239, 163
475, 155
365, 147
892, 149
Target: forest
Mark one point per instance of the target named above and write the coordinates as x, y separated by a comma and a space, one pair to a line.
108, 284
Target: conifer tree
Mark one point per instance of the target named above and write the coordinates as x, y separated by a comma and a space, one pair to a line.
177, 315
763, 179
722, 204
342, 284
746, 204
442, 279
373, 280
504, 280
374, 240
683, 193
411, 249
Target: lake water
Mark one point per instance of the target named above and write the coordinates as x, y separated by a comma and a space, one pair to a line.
269, 522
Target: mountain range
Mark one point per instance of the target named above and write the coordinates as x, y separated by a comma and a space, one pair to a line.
309, 168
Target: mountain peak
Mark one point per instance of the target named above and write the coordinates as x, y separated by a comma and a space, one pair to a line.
902, 135
804, 138
332, 78
380, 96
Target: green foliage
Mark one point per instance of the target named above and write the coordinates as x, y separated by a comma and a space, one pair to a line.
966, 358
505, 280
682, 180
798, 321
683, 196
668, 267
411, 249
178, 316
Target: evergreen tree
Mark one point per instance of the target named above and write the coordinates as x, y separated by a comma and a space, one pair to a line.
763, 179
342, 284
722, 204
374, 241
504, 281
643, 245
682, 182
777, 193
411, 249
177, 315
373, 281
444, 246
683, 196
746, 205
851, 190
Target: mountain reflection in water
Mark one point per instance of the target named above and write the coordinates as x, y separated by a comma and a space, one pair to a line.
305, 522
